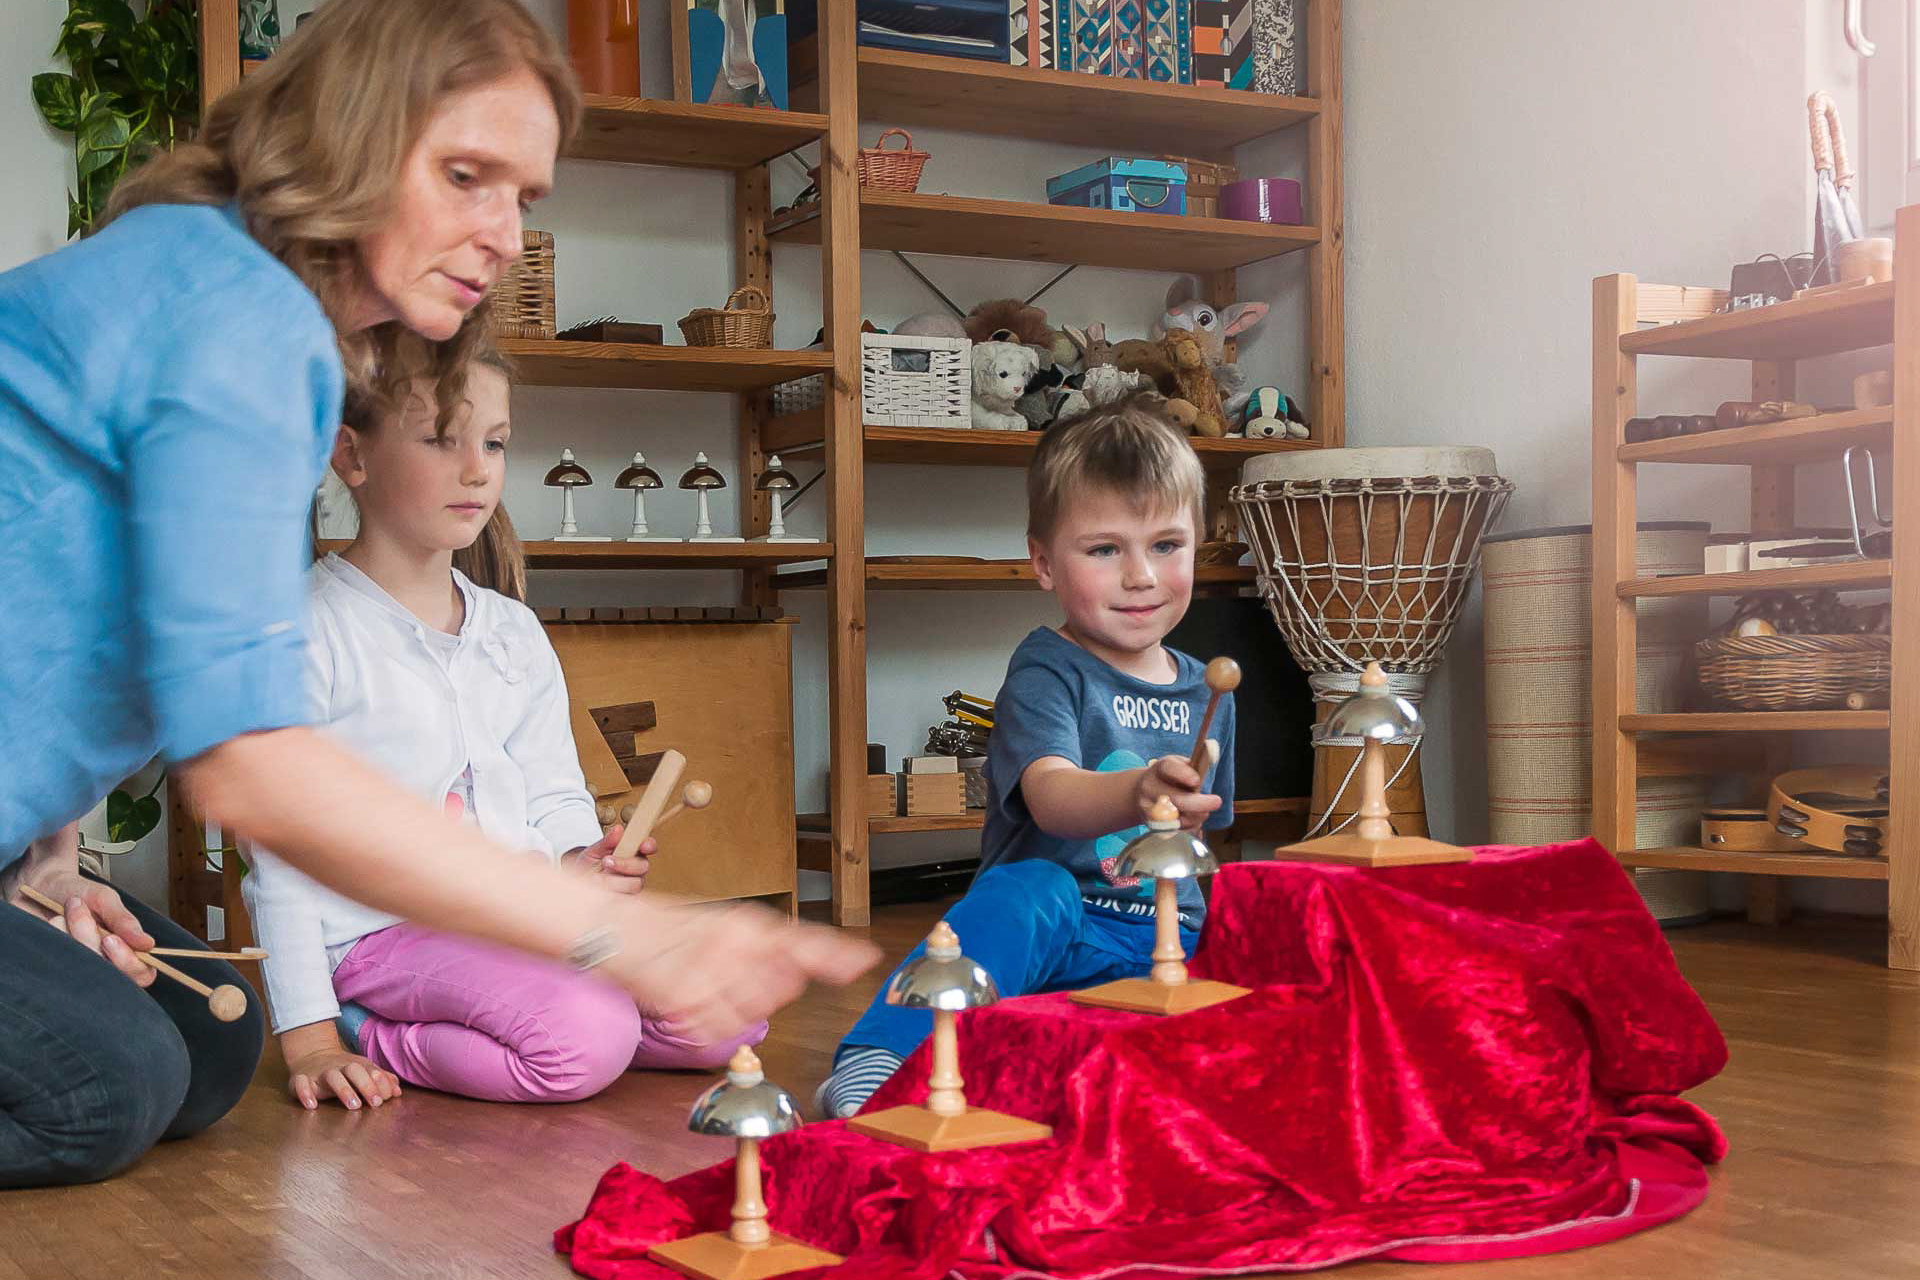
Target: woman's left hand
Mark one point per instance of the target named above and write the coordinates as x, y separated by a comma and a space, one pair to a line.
617, 875
95, 917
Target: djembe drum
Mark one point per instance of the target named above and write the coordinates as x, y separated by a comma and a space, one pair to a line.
1366, 555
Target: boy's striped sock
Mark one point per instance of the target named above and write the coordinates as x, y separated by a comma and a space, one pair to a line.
857, 1073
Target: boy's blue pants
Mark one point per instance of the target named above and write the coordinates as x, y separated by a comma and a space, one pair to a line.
1025, 924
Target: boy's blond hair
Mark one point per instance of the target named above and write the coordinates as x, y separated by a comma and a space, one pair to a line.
1130, 448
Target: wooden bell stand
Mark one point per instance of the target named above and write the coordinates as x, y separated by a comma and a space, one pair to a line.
946, 1123
1372, 843
749, 1249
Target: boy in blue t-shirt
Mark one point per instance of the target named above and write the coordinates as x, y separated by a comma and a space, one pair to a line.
1094, 724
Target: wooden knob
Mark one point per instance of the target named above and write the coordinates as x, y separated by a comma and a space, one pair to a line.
697, 795
1163, 813
744, 1062
228, 1003
1223, 675
1374, 677
943, 939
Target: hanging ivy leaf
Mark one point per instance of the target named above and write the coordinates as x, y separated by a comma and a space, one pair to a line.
58, 97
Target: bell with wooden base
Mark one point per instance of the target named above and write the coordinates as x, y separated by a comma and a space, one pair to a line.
1376, 717
946, 982
1166, 855
747, 1107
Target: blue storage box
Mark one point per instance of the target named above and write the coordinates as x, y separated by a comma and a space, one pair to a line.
1124, 185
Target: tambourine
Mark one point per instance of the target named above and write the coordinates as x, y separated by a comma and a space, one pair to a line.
1841, 808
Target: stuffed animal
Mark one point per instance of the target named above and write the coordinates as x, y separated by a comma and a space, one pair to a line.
1099, 387
1011, 320
1213, 326
1195, 379
1271, 414
1092, 345
1000, 374
931, 324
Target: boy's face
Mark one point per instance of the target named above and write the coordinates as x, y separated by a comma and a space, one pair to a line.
1123, 576
434, 493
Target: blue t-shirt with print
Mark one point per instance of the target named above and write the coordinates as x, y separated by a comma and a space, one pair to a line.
1060, 700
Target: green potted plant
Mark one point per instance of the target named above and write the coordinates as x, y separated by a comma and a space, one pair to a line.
132, 88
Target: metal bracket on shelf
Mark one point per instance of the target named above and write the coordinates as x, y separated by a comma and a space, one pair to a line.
954, 307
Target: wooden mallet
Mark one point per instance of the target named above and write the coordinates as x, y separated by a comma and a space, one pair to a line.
652, 801
695, 795
1223, 676
227, 1002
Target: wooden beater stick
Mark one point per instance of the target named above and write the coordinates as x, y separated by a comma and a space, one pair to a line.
665, 778
227, 1002
188, 953
1223, 676
695, 795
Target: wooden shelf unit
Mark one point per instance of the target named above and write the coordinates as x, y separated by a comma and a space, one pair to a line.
983, 576
1065, 106
1774, 339
851, 85
1026, 231
802, 433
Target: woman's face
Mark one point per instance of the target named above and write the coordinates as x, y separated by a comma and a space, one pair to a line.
486, 155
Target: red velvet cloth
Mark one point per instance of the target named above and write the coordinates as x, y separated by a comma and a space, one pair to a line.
1438, 1063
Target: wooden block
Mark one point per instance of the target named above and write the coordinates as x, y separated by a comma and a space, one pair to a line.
922, 1130
930, 764
605, 613
714, 1256
883, 796
621, 742
690, 613
1358, 851
549, 613
1144, 995
935, 794
626, 717
576, 613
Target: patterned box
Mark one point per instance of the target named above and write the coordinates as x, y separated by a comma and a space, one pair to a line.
1168, 41
1101, 37
1030, 33
1246, 44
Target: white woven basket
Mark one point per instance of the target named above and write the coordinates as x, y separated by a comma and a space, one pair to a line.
896, 391
797, 395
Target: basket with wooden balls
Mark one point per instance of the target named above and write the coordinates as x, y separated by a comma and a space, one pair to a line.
1799, 651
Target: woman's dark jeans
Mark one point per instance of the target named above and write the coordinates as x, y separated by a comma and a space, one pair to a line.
94, 1070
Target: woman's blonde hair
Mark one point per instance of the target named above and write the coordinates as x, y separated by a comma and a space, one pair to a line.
313, 145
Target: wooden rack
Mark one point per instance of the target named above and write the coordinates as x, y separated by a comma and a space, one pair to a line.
1773, 338
848, 86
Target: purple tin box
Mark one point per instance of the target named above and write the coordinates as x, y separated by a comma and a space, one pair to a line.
1261, 200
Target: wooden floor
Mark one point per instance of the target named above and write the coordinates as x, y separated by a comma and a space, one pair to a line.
1821, 1102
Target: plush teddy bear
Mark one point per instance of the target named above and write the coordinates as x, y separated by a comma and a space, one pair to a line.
1011, 320
1001, 371
1195, 381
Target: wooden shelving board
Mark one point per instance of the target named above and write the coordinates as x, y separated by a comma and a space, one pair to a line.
1809, 863
1852, 575
689, 135
1815, 439
549, 363
981, 576
1750, 721
659, 555
1064, 106
1019, 230
1798, 330
965, 447
815, 824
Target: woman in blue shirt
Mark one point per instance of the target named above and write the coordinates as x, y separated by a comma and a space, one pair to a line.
169, 392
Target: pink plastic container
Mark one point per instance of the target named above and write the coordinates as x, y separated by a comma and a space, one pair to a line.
1261, 200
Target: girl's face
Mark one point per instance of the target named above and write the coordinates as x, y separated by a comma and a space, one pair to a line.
428, 492
485, 157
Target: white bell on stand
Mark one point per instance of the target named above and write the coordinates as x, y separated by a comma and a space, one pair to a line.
776, 482
703, 479
641, 478
566, 476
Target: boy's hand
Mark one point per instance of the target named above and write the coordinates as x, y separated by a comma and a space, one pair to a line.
617, 875
1174, 778
320, 1067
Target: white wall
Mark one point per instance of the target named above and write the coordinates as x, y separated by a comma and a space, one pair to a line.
1499, 155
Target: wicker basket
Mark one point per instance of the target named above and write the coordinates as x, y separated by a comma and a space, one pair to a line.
1795, 673
908, 381
746, 321
798, 395
885, 170
1204, 180
523, 300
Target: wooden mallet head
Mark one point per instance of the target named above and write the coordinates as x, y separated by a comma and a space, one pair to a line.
1223, 676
